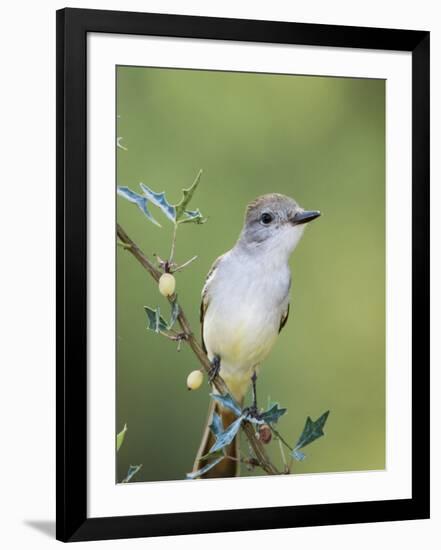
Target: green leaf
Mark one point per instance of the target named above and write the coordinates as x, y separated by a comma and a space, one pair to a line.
273, 414
175, 213
154, 320
174, 313
187, 195
120, 437
139, 200
312, 431
298, 455
131, 472
226, 437
205, 469
192, 216
216, 425
159, 200
227, 401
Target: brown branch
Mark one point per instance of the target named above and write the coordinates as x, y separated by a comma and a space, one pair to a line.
218, 382
136, 251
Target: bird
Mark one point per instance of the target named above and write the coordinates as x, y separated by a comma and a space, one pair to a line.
245, 305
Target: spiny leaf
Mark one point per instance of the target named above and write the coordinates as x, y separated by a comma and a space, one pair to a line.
120, 437
193, 216
273, 414
159, 200
139, 200
312, 431
227, 401
154, 320
226, 437
216, 425
298, 455
187, 195
205, 469
175, 213
131, 472
174, 313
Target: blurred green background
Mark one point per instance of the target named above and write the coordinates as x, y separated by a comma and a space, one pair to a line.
319, 140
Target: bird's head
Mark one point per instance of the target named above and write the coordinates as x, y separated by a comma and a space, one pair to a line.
275, 222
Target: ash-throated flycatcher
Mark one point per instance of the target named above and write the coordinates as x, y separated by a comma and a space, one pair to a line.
245, 304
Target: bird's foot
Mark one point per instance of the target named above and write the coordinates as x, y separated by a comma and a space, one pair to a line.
215, 368
253, 412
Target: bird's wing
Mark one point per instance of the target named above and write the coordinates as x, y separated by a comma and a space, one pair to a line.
284, 318
205, 296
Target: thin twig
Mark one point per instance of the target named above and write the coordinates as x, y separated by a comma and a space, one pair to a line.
248, 461
217, 382
282, 452
185, 264
172, 251
139, 255
277, 434
123, 245
173, 335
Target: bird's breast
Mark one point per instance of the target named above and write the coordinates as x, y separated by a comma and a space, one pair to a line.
243, 317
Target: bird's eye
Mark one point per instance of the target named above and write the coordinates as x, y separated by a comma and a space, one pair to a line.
266, 218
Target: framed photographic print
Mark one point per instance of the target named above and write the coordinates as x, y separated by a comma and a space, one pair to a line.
243, 227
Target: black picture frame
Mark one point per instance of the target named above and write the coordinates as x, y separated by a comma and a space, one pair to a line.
71, 428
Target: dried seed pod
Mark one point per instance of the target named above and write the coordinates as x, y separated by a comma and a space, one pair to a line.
167, 284
265, 434
194, 380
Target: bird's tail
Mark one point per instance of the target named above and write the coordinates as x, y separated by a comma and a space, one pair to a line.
227, 467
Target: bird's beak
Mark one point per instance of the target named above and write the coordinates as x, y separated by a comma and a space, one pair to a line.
305, 216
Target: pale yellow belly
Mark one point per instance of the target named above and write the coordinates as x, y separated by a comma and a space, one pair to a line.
242, 342
239, 344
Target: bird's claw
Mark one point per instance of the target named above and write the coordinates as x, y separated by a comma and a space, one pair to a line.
215, 368
253, 412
